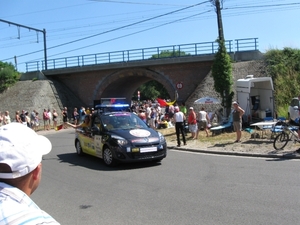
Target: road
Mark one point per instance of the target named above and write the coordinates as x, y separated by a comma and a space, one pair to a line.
186, 188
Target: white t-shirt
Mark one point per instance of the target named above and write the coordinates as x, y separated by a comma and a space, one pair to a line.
148, 111
7, 119
50, 115
202, 115
179, 117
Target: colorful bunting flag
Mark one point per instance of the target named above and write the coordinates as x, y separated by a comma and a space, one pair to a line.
59, 127
164, 103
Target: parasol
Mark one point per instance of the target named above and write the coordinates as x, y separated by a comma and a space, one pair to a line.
207, 100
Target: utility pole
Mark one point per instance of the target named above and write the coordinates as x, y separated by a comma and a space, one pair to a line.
217, 4
31, 28
222, 68
45, 49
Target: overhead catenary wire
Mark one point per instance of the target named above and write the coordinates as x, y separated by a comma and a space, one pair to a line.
129, 34
237, 13
233, 9
122, 27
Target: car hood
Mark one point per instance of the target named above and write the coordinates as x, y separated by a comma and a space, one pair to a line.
137, 135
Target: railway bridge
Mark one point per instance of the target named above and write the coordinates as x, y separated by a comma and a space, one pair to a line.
119, 74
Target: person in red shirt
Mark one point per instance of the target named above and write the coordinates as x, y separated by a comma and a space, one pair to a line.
142, 114
192, 122
46, 120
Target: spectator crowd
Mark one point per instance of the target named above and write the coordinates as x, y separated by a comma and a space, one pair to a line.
31, 119
151, 112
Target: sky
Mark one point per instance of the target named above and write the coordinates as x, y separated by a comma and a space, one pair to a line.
81, 27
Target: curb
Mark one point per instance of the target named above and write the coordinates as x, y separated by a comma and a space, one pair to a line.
216, 152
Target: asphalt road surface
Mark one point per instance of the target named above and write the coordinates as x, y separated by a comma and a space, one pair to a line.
186, 188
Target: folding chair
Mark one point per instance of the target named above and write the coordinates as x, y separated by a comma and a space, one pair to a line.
281, 118
221, 128
277, 128
267, 127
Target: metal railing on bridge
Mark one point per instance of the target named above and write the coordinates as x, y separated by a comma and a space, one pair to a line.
172, 51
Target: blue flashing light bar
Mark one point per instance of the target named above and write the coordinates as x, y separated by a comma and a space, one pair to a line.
112, 106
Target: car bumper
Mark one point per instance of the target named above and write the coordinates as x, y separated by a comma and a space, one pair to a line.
136, 154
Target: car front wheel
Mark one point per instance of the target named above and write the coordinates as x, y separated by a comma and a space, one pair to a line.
108, 157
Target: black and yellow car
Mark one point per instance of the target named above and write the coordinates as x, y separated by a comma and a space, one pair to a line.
120, 137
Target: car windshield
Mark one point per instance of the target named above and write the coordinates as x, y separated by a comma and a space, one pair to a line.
122, 121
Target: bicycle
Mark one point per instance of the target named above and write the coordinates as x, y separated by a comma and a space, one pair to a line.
288, 133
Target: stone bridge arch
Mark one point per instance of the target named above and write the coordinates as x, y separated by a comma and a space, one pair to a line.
124, 82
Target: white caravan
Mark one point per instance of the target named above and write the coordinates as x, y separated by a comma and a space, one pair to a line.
255, 96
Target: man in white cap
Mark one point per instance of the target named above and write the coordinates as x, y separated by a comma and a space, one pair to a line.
21, 151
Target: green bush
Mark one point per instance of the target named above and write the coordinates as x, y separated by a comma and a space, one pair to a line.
284, 68
282, 111
8, 76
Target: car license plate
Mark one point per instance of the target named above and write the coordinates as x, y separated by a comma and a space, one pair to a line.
150, 149
134, 150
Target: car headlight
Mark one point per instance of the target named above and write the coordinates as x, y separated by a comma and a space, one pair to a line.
161, 137
120, 140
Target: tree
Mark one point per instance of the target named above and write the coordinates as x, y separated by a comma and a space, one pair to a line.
222, 74
168, 54
284, 68
8, 75
152, 90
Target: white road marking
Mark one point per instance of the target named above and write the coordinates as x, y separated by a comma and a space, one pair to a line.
233, 156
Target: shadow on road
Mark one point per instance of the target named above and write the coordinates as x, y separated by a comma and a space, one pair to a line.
95, 163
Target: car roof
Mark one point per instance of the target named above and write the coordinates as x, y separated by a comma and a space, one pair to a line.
116, 113
112, 108
118, 105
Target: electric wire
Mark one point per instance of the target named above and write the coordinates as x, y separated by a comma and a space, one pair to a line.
151, 28
118, 28
232, 9
75, 33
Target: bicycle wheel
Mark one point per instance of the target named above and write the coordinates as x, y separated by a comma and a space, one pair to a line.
280, 141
